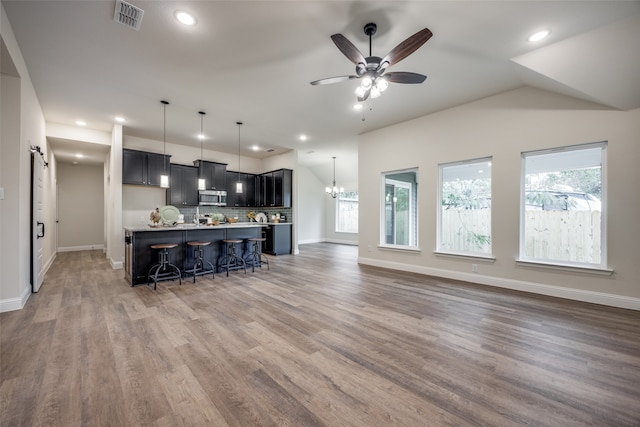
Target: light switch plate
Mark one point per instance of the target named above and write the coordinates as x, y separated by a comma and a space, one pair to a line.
1, 193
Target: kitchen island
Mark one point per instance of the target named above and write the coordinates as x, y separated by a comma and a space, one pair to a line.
139, 257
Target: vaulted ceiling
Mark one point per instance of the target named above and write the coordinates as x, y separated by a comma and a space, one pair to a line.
253, 61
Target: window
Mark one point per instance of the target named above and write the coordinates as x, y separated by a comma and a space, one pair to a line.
464, 217
347, 212
400, 209
563, 205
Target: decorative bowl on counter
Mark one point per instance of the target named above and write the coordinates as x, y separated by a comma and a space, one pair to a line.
232, 220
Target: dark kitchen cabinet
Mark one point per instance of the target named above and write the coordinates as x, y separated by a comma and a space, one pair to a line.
215, 174
183, 189
276, 188
249, 195
142, 168
278, 239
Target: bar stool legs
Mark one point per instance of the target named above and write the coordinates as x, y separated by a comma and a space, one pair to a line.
256, 257
230, 260
164, 270
200, 263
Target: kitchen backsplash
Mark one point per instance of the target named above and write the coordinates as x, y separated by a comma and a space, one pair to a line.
231, 212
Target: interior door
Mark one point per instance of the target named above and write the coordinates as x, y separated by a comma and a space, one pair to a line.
38, 226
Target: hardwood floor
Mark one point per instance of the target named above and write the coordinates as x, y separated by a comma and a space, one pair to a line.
316, 341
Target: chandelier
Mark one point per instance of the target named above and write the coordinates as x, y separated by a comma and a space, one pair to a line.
334, 191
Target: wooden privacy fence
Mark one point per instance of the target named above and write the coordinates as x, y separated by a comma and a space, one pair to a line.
553, 235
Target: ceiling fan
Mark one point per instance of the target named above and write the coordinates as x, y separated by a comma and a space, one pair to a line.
372, 68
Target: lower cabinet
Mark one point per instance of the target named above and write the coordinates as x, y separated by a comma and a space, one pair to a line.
278, 239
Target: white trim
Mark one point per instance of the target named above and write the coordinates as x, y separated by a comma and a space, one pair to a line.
518, 285
81, 248
116, 265
13, 304
342, 242
304, 242
477, 257
49, 263
565, 267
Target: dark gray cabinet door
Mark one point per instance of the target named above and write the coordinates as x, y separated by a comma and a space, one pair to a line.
134, 167
183, 188
157, 165
142, 168
213, 173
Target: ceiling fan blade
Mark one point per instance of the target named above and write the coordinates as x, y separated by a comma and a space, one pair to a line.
404, 77
348, 49
332, 80
406, 48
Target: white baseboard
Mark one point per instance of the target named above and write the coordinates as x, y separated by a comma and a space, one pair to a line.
342, 242
116, 265
12, 304
81, 248
518, 285
304, 242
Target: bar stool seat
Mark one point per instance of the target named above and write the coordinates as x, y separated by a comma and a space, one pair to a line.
230, 259
200, 263
256, 258
163, 270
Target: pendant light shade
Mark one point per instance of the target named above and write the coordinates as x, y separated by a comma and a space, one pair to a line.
239, 188
202, 185
164, 178
334, 191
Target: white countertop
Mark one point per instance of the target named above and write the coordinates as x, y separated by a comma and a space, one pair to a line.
146, 227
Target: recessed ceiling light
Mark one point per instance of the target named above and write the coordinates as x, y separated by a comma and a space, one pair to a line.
537, 36
79, 155
119, 119
81, 123
303, 137
255, 148
201, 136
185, 17
357, 106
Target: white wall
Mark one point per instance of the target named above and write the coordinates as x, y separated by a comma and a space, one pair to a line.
19, 102
310, 207
81, 207
503, 126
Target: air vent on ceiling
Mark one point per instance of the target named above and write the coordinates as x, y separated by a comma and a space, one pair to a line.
269, 150
127, 14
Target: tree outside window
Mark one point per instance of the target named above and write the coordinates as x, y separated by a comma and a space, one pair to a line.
562, 212
464, 217
347, 212
400, 209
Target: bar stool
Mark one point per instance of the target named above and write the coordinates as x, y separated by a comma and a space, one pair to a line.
199, 264
230, 260
256, 257
164, 270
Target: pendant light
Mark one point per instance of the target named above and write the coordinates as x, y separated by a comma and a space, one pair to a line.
239, 183
164, 178
202, 185
334, 191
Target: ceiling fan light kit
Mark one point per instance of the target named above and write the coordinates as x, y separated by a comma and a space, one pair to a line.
372, 69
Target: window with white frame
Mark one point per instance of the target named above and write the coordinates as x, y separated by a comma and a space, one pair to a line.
347, 212
563, 206
399, 226
464, 216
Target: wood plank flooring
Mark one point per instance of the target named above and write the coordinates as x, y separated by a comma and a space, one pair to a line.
316, 341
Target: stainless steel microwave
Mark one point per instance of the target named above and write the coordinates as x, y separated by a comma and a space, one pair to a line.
212, 198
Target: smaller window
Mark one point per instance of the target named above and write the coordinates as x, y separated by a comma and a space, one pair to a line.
399, 227
347, 212
464, 216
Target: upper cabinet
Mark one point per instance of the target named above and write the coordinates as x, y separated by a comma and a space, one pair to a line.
276, 188
249, 195
142, 168
183, 189
213, 173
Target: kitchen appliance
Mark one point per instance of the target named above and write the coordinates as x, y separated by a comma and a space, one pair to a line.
212, 198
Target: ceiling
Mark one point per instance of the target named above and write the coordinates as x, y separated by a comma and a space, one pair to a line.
253, 61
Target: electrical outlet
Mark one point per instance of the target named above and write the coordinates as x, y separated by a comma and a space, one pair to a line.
369, 248
474, 268
141, 218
